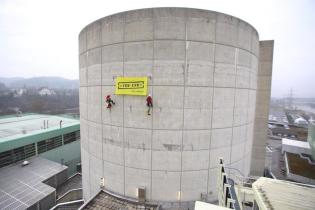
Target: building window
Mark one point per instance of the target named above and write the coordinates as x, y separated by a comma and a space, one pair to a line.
24, 152
20, 153
5, 158
49, 144
71, 137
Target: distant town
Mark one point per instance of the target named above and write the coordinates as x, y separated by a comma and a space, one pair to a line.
46, 95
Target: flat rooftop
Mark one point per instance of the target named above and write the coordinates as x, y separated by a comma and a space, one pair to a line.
105, 200
28, 126
22, 187
278, 194
296, 143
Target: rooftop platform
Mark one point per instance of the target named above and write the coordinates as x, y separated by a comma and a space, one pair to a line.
107, 201
278, 194
22, 187
16, 131
294, 146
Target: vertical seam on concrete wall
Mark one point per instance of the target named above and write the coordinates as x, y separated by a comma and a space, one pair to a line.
87, 106
183, 114
247, 113
253, 117
152, 76
213, 73
123, 107
102, 106
235, 88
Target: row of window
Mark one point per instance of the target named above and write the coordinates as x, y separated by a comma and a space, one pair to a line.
14, 155
21, 153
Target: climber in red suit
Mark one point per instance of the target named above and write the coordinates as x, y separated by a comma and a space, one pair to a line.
109, 102
149, 103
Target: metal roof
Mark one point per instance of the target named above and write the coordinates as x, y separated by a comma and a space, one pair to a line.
107, 200
16, 131
22, 187
278, 194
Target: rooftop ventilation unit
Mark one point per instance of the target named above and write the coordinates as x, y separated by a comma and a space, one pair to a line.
25, 163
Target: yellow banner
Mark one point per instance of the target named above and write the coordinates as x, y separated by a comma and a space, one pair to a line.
131, 86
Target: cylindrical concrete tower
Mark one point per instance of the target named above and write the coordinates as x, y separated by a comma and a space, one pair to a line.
202, 70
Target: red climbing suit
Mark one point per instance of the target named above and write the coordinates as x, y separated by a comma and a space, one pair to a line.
109, 102
149, 101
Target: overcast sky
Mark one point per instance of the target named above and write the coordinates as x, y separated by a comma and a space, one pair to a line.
40, 38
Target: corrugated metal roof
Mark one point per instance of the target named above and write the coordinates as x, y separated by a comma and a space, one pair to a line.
278, 194
105, 200
22, 187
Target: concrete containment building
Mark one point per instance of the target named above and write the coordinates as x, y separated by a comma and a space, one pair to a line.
209, 77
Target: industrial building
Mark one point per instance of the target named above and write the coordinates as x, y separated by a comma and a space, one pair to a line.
56, 138
209, 76
299, 157
39, 155
262, 193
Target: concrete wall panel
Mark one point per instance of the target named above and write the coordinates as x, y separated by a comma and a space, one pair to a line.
227, 30
196, 140
167, 160
169, 23
201, 26
83, 102
193, 184
137, 51
224, 75
84, 134
195, 160
166, 140
95, 140
168, 72
138, 158
93, 35
136, 178
221, 138
85, 172
165, 185
96, 172
113, 29
94, 104
94, 75
138, 138
139, 25
199, 73
114, 177
244, 36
